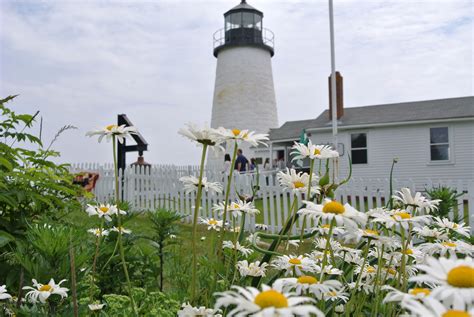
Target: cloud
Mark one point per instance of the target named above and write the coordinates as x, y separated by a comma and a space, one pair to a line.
83, 62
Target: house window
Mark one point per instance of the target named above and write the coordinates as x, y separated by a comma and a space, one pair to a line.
359, 148
439, 144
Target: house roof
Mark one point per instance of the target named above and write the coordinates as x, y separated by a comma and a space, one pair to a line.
439, 109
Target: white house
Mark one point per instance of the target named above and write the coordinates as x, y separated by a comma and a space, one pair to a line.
431, 139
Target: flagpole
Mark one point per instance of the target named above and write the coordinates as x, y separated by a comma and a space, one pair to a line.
333, 77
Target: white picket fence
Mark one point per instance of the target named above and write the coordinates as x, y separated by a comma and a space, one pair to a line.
151, 188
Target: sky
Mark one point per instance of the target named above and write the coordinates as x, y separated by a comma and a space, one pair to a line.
83, 62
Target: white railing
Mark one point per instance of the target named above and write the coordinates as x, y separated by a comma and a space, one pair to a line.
158, 186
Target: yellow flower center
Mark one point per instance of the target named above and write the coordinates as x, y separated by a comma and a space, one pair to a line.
371, 232
371, 269
307, 280
213, 222
104, 209
236, 132
402, 214
456, 313
326, 226
97, 231
418, 290
271, 298
408, 251
333, 207
461, 276
316, 152
449, 244
45, 288
455, 225
298, 184
332, 293
391, 271
110, 127
295, 261
235, 206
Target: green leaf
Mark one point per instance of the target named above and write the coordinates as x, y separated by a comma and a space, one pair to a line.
5, 238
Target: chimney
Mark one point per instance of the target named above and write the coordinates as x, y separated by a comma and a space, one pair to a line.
339, 96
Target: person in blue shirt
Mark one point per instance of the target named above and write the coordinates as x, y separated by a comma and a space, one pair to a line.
241, 162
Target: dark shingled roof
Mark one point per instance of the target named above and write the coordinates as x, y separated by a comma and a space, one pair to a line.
379, 114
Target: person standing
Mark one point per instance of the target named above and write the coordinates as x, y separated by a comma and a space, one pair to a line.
241, 162
226, 170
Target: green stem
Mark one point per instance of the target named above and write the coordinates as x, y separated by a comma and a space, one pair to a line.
308, 196
94, 262
359, 278
326, 249
226, 200
119, 223
195, 222
110, 258
390, 200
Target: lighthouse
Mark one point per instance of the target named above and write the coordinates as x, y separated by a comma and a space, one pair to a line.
244, 95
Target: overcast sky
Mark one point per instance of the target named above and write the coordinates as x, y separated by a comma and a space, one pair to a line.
83, 62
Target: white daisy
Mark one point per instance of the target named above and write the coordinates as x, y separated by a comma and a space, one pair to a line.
427, 232
454, 279
270, 302
201, 135
3, 293
335, 295
212, 223
344, 215
104, 210
42, 292
309, 284
417, 202
397, 296
191, 184
324, 230
321, 243
294, 264
449, 247
317, 256
120, 132
98, 232
250, 137
430, 307
236, 208
121, 230
400, 218
252, 269
298, 182
187, 310
329, 270
312, 151
95, 307
354, 235
230, 245
447, 224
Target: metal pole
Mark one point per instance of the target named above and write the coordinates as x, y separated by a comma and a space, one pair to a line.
333, 77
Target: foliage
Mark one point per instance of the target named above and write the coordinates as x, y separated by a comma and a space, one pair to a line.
164, 225
31, 184
149, 304
448, 196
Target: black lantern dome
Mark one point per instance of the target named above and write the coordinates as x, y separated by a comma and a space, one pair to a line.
243, 27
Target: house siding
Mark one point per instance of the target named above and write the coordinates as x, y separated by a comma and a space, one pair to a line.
410, 144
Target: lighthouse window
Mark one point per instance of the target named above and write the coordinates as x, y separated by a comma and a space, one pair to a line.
258, 22
235, 20
247, 20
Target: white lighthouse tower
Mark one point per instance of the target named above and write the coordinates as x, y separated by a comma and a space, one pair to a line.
244, 96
